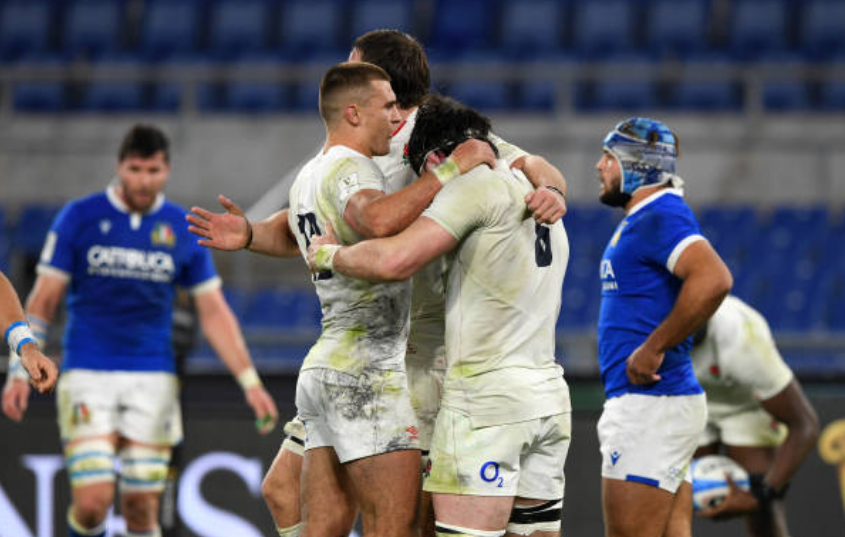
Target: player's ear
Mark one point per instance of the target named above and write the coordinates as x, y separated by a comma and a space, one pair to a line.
350, 113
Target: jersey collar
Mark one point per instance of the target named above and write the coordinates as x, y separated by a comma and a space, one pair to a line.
654, 197
120, 205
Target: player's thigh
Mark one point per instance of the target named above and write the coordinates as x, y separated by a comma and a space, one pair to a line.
634, 509
387, 485
328, 502
150, 411
680, 518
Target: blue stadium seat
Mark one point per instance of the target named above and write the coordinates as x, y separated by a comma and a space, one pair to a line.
24, 28
484, 95
376, 14
536, 95
238, 27
255, 97
603, 27
92, 28
271, 307
39, 97
823, 28
832, 91
759, 27
678, 28
31, 228
113, 96
312, 27
169, 97
462, 26
171, 28
694, 93
531, 28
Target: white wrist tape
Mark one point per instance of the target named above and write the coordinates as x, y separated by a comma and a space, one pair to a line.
16, 369
248, 379
17, 335
324, 256
446, 170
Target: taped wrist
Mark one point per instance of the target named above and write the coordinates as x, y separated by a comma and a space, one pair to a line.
17, 335
446, 170
324, 256
248, 379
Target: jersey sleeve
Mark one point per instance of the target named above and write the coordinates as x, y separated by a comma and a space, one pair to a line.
507, 151
669, 234
57, 254
464, 204
747, 352
198, 275
353, 175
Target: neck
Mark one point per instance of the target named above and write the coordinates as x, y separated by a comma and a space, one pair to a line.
643, 193
344, 137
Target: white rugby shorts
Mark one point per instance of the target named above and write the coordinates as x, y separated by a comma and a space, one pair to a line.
650, 439
426, 387
516, 459
139, 405
751, 428
357, 416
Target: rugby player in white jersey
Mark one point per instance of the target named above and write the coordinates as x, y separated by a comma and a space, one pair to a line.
503, 430
757, 414
405, 60
26, 360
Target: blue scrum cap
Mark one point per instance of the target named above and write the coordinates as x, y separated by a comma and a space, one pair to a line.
646, 150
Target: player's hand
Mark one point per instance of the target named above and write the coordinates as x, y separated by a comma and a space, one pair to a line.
221, 231
738, 502
473, 152
266, 414
643, 364
42, 371
15, 399
328, 237
546, 206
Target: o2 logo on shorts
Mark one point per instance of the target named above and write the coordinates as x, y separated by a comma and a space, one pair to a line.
490, 473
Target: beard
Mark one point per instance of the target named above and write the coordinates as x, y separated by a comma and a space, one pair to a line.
615, 197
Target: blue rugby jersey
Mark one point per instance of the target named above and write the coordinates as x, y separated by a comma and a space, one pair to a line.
122, 270
639, 290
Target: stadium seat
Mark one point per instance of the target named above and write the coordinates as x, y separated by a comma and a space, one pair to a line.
832, 91
677, 28
238, 27
603, 27
24, 28
171, 28
113, 95
692, 92
531, 28
463, 26
255, 97
823, 28
312, 27
39, 97
376, 14
759, 26
484, 95
92, 28
31, 228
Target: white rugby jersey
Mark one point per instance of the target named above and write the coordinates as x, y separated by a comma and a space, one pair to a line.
738, 364
426, 343
365, 325
502, 300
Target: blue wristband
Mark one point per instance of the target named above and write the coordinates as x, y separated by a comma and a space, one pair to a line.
23, 342
9, 330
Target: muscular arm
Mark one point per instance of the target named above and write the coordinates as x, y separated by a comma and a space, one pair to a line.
706, 282
47, 293
394, 258
10, 305
374, 214
792, 408
273, 236
547, 205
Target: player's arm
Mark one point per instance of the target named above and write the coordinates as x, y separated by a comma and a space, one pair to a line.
42, 304
706, 282
547, 202
223, 332
374, 214
393, 258
231, 230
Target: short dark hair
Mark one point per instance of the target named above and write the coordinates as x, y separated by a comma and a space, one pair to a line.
144, 141
442, 123
344, 77
403, 58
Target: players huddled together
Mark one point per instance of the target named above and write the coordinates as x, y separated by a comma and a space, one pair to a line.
431, 403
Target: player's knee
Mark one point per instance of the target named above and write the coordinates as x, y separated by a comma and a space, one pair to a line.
143, 469
140, 510
90, 462
450, 530
89, 510
527, 519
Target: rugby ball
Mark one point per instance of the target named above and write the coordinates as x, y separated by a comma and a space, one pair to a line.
709, 485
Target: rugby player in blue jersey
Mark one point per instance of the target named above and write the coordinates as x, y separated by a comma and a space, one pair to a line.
119, 255
660, 281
